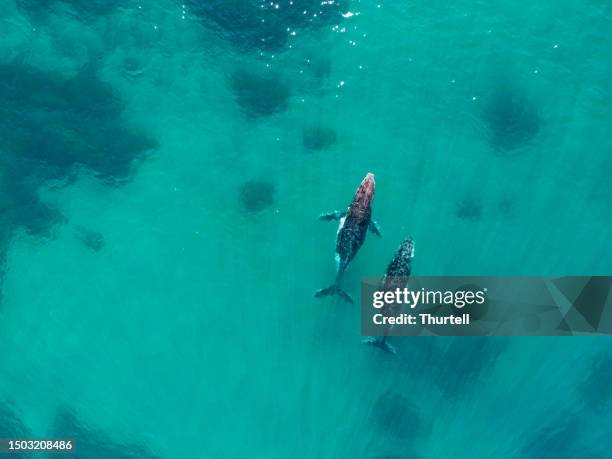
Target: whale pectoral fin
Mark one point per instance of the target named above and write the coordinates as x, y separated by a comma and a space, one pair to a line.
335, 215
373, 227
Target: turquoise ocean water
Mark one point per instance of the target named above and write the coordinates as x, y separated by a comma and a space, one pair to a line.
163, 166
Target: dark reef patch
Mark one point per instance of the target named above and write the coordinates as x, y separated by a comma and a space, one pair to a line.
596, 390
260, 95
20, 206
513, 121
469, 209
256, 195
264, 25
396, 415
318, 137
91, 239
50, 128
12, 427
50, 124
91, 444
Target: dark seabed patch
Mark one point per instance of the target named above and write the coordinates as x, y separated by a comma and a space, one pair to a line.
469, 209
459, 362
513, 121
91, 239
264, 25
596, 390
319, 66
464, 361
506, 207
394, 414
318, 137
256, 195
92, 444
559, 438
50, 127
12, 427
260, 95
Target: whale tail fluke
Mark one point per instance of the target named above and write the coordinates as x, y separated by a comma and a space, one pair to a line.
380, 343
334, 290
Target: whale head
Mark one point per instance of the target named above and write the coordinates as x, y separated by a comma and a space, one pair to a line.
398, 271
406, 248
365, 192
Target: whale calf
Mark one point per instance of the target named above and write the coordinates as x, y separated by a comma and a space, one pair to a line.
352, 230
397, 276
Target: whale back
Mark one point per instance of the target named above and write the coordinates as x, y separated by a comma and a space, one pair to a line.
354, 226
400, 267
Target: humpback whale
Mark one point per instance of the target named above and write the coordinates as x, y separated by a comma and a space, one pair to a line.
352, 230
397, 275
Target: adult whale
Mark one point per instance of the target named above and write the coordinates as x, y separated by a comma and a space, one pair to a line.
354, 225
397, 276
